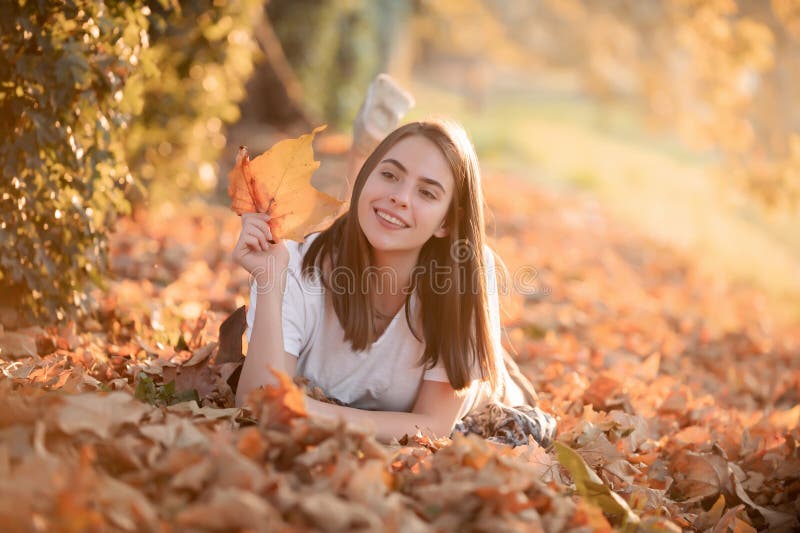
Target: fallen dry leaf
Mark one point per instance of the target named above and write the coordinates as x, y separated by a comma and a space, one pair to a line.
676, 389
17, 344
278, 403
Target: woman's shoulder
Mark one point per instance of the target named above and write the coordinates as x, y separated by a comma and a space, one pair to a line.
297, 250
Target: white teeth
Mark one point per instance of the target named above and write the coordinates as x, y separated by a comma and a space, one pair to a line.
391, 219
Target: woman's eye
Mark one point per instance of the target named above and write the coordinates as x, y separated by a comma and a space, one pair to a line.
428, 194
387, 175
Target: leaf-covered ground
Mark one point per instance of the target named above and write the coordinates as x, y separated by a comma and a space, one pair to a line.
673, 386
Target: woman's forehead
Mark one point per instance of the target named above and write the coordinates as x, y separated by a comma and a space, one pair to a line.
420, 157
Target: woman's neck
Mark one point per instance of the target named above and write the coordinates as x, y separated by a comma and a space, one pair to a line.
394, 271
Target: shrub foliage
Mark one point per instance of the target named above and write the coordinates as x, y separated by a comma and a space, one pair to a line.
94, 97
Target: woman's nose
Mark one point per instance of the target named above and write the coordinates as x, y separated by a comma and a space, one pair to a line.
399, 198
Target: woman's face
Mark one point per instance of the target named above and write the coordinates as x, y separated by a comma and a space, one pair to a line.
412, 185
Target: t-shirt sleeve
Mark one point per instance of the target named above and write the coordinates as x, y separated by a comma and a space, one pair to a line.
438, 373
296, 326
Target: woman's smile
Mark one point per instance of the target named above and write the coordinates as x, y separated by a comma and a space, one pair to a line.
389, 220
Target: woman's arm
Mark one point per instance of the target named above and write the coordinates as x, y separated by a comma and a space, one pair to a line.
435, 410
266, 260
265, 349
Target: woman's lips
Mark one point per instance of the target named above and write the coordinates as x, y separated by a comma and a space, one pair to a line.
385, 223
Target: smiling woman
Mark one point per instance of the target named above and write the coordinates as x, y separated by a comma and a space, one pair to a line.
392, 310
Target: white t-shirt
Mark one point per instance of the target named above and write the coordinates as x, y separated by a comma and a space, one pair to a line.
383, 377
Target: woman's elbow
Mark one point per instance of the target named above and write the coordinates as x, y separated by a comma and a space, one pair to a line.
243, 390
440, 428
446, 429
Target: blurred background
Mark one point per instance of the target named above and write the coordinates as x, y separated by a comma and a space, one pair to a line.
679, 117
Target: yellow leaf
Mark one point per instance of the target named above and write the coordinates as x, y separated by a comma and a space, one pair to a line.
740, 526
278, 182
592, 488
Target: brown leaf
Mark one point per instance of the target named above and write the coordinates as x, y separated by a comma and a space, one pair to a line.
201, 354
591, 516
194, 476
251, 443
692, 436
201, 378
230, 509
699, 476
97, 413
210, 413
126, 507
369, 484
16, 344
709, 518
279, 403
240, 471
648, 370
623, 470
775, 519
603, 391
331, 513
164, 434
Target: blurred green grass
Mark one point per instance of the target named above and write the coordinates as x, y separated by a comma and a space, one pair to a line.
652, 182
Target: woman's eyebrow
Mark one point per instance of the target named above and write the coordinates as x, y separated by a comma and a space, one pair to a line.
432, 182
399, 165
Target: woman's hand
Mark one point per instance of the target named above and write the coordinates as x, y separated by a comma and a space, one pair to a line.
257, 252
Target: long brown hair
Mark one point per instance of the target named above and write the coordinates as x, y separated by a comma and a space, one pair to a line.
455, 322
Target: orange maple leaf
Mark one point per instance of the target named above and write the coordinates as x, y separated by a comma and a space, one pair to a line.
278, 182
279, 403
285, 398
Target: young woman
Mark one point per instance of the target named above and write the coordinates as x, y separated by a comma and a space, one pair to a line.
392, 310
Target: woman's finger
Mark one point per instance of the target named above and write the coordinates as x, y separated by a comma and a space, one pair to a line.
258, 219
251, 235
258, 223
252, 243
264, 227
247, 218
252, 238
256, 216
259, 235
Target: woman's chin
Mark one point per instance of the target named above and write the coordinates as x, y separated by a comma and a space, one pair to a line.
382, 239
381, 242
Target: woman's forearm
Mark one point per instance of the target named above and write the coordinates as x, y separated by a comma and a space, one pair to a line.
386, 425
266, 344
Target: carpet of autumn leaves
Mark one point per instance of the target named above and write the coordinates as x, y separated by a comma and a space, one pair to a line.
675, 387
